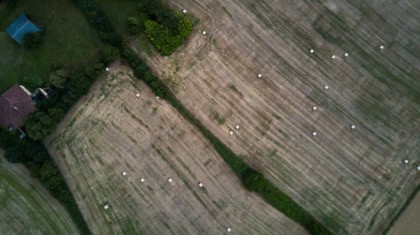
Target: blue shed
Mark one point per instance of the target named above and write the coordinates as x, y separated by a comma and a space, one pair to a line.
21, 26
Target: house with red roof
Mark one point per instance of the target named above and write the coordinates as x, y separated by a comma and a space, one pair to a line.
15, 106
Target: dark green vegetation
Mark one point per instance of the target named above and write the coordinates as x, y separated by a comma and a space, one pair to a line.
252, 179
118, 11
32, 40
51, 111
31, 82
32, 153
68, 40
163, 39
165, 29
36, 158
67, 44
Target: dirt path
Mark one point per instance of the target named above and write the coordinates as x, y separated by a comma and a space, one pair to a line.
351, 180
26, 207
112, 131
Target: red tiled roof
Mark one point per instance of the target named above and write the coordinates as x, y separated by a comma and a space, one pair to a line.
15, 107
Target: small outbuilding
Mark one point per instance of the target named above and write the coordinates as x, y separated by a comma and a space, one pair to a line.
21, 26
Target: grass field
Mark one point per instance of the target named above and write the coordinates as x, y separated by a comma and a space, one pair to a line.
112, 130
118, 12
26, 207
353, 181
68, 40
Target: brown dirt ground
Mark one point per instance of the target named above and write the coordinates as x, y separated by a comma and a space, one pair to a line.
111, 131
352, 180
408, 222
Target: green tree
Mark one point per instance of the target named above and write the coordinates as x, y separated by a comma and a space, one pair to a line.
109, 54
58, 79
56, 114
32, 40
39, 125
15, 154
163, 39
31, 82
253, 180
136, 24
35, 151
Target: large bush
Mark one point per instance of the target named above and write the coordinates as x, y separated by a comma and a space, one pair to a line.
165, 40
157, 11
109, 54
31, 82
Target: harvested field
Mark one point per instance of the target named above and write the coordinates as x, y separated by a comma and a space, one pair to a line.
26, 207
112, 131
352, 180
407, 223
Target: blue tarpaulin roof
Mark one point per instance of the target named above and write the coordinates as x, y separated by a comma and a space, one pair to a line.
21, 26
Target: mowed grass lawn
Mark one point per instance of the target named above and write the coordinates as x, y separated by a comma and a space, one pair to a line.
69, 41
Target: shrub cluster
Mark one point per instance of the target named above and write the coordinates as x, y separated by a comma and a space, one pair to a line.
51, 111
163, 39
165, 29
157, 11
31, 82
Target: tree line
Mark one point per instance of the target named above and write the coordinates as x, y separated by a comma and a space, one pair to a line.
51, 111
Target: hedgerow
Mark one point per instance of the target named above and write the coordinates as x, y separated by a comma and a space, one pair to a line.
160, 24
251, 179
35, 157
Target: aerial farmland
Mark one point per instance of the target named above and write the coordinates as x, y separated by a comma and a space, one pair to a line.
209, 117
136, 166
326, 94
26, 207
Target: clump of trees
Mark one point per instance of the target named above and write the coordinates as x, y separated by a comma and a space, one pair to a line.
50, 112
109, 54
164, 39
31, 82
32, 40
31, 152
58, 78
165, 29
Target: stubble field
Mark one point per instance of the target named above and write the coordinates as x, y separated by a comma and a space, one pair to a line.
112, 130
352, 180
